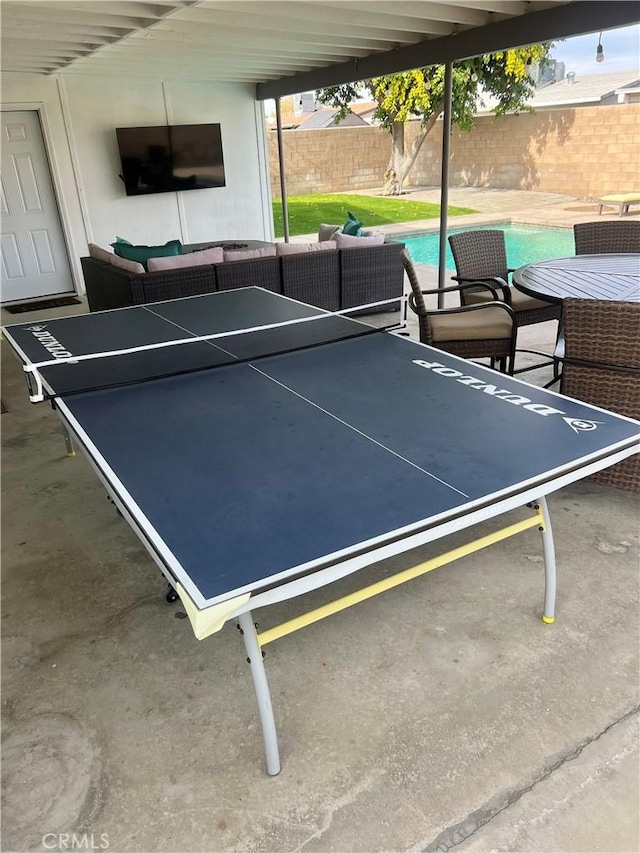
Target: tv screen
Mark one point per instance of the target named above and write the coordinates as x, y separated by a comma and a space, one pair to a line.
171, 159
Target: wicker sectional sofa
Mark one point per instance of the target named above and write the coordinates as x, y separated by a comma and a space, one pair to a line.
333, 279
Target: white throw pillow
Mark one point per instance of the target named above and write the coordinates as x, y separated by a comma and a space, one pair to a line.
327, 232
346, 241
189, 259
124, 264
99, 253
250, 254
304, 248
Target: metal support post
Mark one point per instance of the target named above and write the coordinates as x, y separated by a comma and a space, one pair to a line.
283, 178
444, 180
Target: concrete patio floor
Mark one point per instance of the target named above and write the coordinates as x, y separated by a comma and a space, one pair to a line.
443, 715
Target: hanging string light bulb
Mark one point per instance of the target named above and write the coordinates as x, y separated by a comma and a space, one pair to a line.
600, 50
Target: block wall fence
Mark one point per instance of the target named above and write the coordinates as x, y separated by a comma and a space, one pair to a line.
584, 152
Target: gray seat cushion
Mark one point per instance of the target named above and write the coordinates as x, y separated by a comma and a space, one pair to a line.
485, 324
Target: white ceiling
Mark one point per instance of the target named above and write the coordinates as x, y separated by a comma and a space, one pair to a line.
265, 41
238, 41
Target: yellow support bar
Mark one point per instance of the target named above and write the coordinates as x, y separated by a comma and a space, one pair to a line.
402, 577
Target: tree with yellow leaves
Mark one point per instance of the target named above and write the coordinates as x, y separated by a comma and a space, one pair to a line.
419, 95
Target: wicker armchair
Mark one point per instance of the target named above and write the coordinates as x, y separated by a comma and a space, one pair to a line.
481, 258
603, 238
602, 367
482, 330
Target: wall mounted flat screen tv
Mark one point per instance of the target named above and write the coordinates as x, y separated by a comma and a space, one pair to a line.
170, 159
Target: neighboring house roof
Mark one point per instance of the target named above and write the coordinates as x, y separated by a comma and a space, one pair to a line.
290, 120
317, 120
594, 88
326, 117
362, 107
320, 119
577, 90
365, 109
628, 94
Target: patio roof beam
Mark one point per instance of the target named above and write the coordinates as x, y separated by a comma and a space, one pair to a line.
123, 9
145, 52
362, 36
24, 42
280, 16
506, 7
157, 69
51, 54
49, 13
33, 67
230, 59
250, 67
321, 34
417, 15
41, 29
225, 42
562, 21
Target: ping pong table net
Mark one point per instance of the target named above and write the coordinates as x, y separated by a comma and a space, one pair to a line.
113, 368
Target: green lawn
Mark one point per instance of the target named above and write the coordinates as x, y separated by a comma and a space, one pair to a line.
306, 212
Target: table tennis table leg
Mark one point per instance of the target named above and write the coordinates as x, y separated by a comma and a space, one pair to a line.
261, 686
549, 610
68, 441
66, 434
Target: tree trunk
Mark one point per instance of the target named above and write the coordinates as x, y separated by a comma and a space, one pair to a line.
400, 164
392, 183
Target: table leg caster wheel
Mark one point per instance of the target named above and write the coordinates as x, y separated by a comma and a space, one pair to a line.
172, 596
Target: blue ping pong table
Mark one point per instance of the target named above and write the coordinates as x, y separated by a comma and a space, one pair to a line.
256, 466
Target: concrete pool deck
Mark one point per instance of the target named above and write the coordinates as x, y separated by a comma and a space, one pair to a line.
545, 210
442, 716
552, 210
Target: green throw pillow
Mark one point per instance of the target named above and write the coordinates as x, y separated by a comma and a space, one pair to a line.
141, 254
352, 226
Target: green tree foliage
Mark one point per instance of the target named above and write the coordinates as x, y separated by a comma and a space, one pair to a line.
419, 95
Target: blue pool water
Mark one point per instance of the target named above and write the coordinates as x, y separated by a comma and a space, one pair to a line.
525, 244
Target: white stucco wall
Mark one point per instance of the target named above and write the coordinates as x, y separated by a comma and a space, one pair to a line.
79, 116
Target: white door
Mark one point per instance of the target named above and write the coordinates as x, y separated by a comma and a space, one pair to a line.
34, 255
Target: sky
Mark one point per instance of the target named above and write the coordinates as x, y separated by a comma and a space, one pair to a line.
621, 51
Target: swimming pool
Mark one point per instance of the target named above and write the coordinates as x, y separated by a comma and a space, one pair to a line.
525, 244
